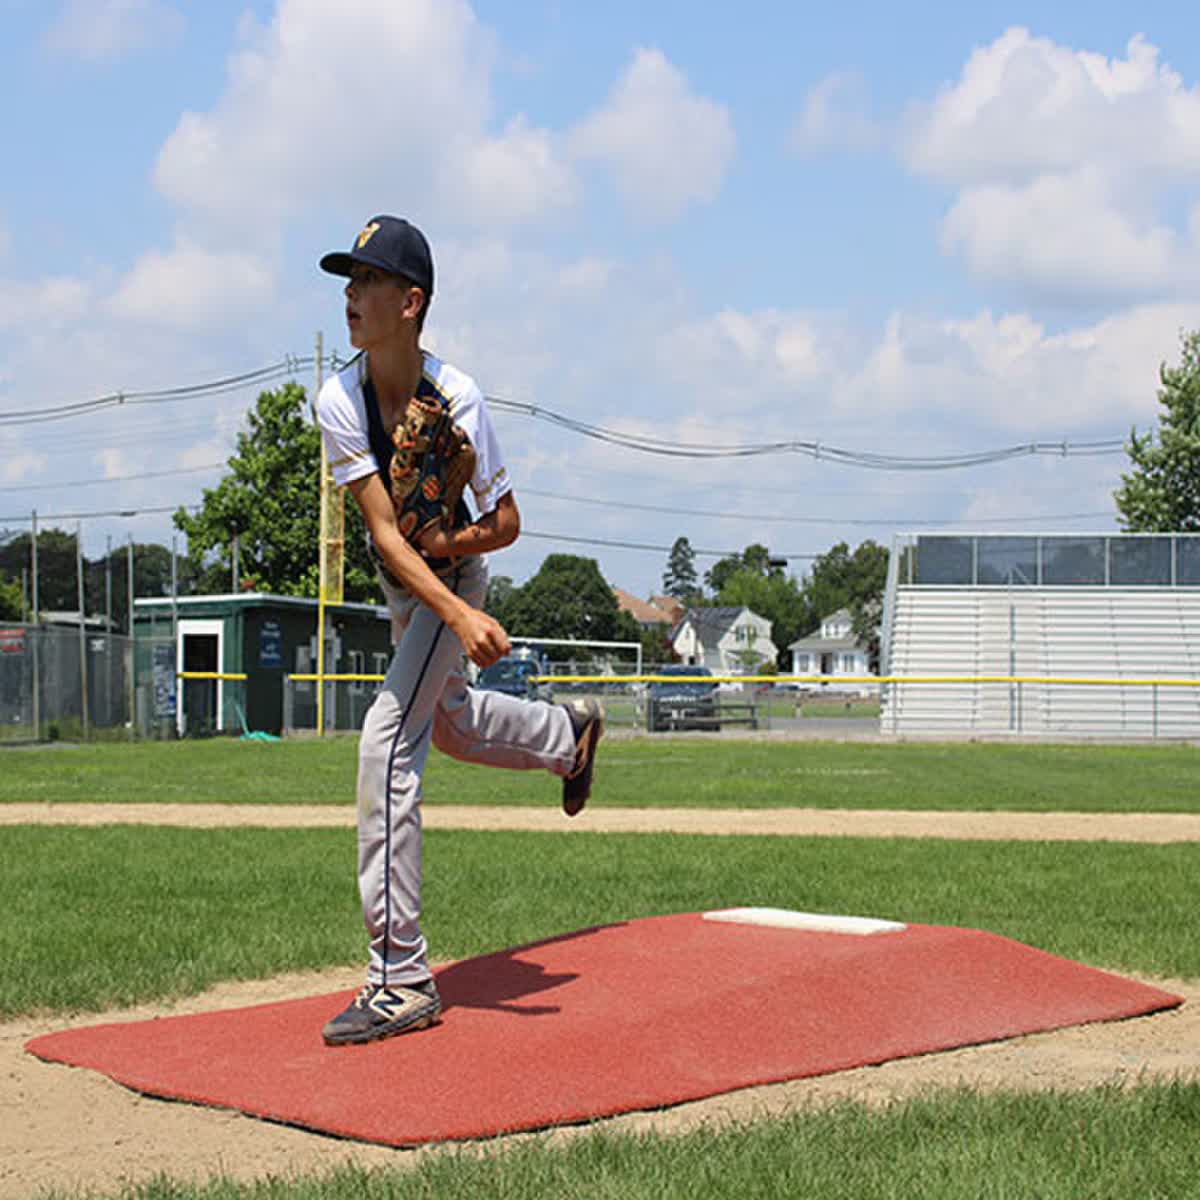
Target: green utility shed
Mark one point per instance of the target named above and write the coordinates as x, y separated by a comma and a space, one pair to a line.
264, 637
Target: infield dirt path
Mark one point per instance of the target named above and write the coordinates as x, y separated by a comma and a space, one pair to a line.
785, 822
68, 1128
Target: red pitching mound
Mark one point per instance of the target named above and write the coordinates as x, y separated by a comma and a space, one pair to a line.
635, 1015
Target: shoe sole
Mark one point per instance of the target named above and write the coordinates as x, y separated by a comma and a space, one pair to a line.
574, 805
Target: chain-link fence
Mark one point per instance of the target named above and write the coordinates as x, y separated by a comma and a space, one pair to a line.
663, 706
64, 683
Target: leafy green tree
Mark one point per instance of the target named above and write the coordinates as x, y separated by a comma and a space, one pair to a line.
500, 590
567, 598
1161, 494
773, 595
58, 587
756, 558
10, 599
58, 590
856, 581
270, 500
151, 577
680, 578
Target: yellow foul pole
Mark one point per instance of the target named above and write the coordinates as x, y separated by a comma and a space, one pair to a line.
332, 556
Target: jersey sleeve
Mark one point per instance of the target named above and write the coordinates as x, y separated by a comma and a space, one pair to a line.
491, 480
344, 431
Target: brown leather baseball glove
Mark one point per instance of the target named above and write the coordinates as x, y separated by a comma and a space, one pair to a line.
432, 463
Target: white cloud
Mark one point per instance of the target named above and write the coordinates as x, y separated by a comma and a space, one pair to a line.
667, 146
1024, 106
1066, 161
18, 465
113, 462
749, 359
521, 172
1070, 236
836, 116
103, 30
334, 103
1009, 374
189, 287
50, 302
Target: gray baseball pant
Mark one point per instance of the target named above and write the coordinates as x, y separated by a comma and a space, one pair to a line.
425, 697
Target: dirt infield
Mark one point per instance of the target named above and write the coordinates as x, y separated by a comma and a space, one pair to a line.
786, 822
75, 1129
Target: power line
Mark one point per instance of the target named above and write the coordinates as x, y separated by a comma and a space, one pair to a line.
813, 449
288, 367
790, 520
670, 448
553, 537
626, 505
79, 483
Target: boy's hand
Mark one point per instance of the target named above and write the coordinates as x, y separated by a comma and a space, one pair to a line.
482, 637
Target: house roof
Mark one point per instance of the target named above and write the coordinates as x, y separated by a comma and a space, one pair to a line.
671, 605
642, 611
712, 624
816, 642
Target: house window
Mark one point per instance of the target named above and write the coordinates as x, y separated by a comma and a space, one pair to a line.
801, 663
849, 662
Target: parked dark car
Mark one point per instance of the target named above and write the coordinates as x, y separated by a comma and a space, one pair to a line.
514, 677
681, 705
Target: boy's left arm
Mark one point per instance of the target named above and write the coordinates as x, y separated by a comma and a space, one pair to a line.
493, 531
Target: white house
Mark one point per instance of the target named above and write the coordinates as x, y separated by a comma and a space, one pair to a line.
833, 650
729, 641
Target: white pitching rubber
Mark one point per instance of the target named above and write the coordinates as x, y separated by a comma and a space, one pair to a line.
786, 918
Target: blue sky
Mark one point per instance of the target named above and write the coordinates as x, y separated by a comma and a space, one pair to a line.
936, 230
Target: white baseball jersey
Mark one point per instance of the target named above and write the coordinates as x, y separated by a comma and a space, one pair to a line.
357, 444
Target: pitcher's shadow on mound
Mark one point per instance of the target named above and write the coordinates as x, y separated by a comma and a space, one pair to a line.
496, 981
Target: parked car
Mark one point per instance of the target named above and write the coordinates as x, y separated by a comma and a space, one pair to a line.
686, 704
515, 677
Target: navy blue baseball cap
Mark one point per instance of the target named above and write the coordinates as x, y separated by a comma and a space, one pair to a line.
391, 244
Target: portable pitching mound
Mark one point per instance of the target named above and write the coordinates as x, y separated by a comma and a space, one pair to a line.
636, 1015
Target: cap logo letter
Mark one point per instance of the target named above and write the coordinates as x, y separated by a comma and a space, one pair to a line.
367, 234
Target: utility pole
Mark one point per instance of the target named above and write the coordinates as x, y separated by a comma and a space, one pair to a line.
83, 671
37, 632
108, 642
132, 670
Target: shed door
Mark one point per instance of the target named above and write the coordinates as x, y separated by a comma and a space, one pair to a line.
200, 648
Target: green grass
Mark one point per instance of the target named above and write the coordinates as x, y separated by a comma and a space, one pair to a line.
694, 771
1106, 1144
114, 915
99, 917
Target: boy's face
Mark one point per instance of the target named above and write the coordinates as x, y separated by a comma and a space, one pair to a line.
379, 307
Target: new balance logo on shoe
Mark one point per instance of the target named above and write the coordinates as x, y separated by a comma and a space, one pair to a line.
379, 1012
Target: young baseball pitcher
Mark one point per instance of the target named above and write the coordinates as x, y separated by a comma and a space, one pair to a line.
410, 437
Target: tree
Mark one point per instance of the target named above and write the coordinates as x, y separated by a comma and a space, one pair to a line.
566, 598
270, 501
10, 600
756, 558
499, 596
773, 595
840, 579
680, 578
1161, 494
58, 590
